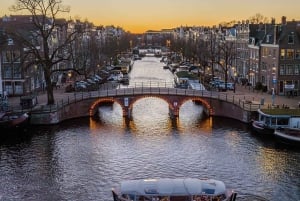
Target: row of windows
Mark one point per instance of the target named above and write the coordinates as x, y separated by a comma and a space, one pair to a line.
11, 56
268, 52
290, 54
289, 69
12, 72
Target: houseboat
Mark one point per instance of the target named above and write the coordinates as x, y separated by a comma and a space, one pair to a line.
187, 189
267, 123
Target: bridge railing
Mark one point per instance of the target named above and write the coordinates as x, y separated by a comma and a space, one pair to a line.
140, 88
149, 84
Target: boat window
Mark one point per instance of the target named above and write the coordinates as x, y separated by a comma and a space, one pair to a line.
273, 121
208, 191
267, 121
282, 121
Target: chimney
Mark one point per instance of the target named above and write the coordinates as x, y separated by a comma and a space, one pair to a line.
273, 21
283, 20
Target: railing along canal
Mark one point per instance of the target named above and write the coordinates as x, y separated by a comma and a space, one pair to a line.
144, 88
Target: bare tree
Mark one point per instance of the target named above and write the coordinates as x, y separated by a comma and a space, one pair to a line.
227, 55
42, 42
202, 56
258, 18
212, 46
80, 49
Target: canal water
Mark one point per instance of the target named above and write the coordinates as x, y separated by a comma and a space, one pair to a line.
83, 159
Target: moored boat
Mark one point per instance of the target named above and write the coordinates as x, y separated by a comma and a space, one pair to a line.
267, 123
187, 189
261, 128
12, 120
288, 135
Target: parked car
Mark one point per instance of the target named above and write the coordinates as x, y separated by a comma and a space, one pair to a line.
230, 86
216, 83
81, 86
90, 81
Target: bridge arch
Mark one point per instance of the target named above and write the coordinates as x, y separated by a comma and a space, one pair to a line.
207, 106
94, 106
137, 98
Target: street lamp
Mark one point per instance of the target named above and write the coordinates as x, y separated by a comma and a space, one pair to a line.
69, 76
98, 68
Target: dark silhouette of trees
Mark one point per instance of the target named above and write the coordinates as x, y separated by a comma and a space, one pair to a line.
226, 57
258, 18
40, 41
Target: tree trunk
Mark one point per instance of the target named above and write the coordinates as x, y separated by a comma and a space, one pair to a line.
49, 87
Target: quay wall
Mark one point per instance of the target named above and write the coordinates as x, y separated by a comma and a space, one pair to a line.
226, 109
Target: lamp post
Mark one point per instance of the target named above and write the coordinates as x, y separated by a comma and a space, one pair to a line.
98, 68
69, 76
35, 67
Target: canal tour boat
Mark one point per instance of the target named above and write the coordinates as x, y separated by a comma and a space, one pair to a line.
188, 189
267, 123
288, 135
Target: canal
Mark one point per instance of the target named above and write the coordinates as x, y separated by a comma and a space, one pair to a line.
83, 159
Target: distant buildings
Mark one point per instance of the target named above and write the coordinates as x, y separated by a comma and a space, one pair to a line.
266, 53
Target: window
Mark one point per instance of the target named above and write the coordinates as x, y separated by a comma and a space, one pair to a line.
16, 56
264, 51
11, 56
282, 54
289, 69
18, 87
297, 69
289, 54
263, 79
297, 54
274, 53
281, 70
17, 71
7, 57
263, 66
8, 87
7, 72
291, 38
10, 41
282, 121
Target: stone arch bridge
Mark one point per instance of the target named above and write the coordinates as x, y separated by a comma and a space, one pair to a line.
86, 103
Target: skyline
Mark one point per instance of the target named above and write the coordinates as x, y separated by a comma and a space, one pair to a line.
138, 16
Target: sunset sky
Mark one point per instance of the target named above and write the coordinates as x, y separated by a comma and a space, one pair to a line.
138, 16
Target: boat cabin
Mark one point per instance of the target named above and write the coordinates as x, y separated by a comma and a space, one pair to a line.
279, 121
173, 190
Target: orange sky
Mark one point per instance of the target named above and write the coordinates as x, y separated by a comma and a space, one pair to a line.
137, 16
